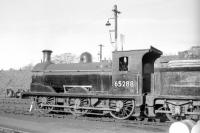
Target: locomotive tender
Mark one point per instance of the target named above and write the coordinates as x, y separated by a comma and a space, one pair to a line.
127, 86
175, 90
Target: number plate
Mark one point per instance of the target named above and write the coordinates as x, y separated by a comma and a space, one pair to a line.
124, 84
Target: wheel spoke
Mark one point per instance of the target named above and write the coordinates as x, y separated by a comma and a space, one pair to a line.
125, 107
79, 102
45, 100
127, 110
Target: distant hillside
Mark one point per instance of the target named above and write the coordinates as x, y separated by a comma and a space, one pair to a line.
190, 54
15, 79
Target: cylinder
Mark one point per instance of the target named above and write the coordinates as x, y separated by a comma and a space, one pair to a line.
196, 128
184, 126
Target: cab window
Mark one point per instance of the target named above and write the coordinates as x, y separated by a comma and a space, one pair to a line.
123, 63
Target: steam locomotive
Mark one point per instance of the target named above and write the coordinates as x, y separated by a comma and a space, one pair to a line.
127, 86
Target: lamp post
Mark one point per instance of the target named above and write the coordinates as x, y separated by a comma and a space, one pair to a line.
116, 12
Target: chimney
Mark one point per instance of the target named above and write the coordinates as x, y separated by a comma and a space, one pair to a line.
46, 56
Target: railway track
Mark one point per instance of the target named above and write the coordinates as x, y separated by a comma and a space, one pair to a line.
11, 130
22, 106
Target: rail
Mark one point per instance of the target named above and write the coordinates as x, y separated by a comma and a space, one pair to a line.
11, 130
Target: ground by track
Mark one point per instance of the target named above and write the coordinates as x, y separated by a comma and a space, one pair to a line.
4, 129
20, 107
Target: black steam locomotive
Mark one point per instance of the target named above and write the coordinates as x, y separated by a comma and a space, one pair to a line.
127, 86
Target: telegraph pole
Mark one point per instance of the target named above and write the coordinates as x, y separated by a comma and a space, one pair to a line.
100, 52
100, 58
116, 12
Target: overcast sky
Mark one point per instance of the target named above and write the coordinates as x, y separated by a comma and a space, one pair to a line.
29, 26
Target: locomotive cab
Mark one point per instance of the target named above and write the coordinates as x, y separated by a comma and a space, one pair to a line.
131, 70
